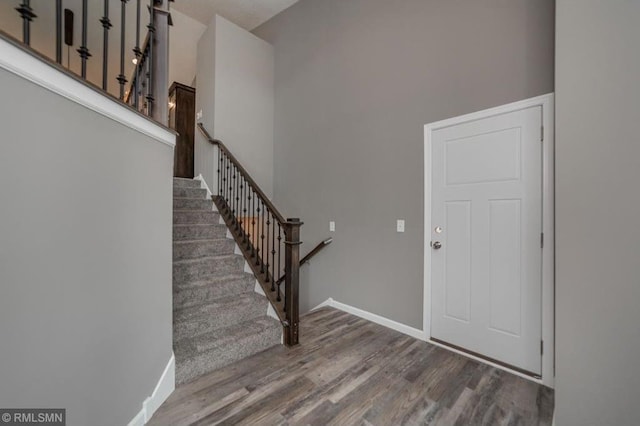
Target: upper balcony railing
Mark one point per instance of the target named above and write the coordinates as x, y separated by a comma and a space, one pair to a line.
135, 73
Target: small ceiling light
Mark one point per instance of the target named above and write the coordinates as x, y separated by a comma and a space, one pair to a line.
172, 105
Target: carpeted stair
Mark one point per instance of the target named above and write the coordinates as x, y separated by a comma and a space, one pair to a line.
218, 318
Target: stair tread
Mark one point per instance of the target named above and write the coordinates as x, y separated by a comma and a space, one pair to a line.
192, 198
193, 210
204, 240
215, 280
222, 338
189, 225
205, 259
220, 305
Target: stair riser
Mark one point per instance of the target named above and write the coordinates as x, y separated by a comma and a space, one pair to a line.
186, 183
197, 217
188, 204
223, 317
188, 297
189, 193
195, 232
191, 368
197, 250
200, 271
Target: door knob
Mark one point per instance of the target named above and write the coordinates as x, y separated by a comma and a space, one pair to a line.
436, 245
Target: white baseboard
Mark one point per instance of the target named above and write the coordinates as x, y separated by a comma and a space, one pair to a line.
163, 389
413, 332
386, 322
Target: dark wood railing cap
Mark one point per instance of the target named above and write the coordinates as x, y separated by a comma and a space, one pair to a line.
267, 202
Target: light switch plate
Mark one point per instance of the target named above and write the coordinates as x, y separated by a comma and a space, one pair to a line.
400, 225
199, 116
332, 226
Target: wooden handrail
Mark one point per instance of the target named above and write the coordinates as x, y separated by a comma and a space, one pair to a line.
246, 174
309, 255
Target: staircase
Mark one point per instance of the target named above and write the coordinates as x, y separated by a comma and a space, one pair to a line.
218, 318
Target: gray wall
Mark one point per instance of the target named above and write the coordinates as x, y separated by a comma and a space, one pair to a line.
85, 258
204, 152
356, 81
597, 212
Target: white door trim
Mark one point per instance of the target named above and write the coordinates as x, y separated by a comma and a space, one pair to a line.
548, 255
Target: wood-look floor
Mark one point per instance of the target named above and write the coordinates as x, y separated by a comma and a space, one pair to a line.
348, 371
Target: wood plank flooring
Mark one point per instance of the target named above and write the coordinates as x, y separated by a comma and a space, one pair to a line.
349, 371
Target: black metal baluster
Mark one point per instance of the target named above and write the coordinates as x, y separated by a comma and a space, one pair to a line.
233, 193
247, 210
273, 255
219, 172
230, 184
240, 204
83, 50
279, 258
244, 211
262, 238
106, 25
236, 191
238, 212
138, 53
27, 16
266, 253
226, 180
59, 31
258, 238
123, 20
152, 32
253, 221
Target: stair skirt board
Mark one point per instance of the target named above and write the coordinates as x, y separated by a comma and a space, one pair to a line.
217, 321
166, 385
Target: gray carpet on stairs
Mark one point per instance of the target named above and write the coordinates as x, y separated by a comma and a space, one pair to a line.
217, 317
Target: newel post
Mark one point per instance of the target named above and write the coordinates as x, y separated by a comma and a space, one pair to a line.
292, 280
158, 98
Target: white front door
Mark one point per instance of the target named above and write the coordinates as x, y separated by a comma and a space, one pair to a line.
486, 220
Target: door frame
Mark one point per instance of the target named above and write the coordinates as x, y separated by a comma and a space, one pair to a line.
546, 102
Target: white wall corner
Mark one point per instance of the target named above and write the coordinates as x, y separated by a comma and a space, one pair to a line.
386, 322
165, 386
328, 302
203, 185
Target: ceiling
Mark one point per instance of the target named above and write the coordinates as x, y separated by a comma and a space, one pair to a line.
246, 13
